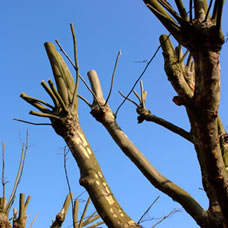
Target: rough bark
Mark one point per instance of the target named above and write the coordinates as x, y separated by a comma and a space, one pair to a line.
4, 221
91, 175
202, 36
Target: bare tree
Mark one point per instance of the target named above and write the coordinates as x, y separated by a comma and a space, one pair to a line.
197, 84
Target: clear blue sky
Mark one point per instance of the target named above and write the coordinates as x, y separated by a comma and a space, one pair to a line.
102, 28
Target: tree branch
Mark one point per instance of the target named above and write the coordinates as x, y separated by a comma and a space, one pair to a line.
60, 217
106, 117
145, 114
20, 222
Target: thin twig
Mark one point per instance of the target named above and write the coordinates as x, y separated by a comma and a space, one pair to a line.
136, 94
84, 212
50, 92
82, 98
96, 225
113, 76
146, 212
80, 194
33, 221
19, 174
46, 115
166, 216
144, 70
58, 96
76, 63
27, 122
128, 99
67, 178
67, 56
3, 171
183, 57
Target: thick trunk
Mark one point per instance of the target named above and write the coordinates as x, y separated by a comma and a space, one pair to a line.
203, 116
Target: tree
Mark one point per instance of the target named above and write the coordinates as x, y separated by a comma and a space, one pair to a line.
197, 84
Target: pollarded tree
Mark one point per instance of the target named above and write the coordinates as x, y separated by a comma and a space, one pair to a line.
197, 84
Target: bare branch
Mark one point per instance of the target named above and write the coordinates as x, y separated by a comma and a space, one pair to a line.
84, 212
75, 213
19, 174
36, 103
145, 114
28, 122
147, 210
129, 99
58, 96
22, 218
66, 151
3, 172
165, 217
33, 221
46, 115
50, 93
113, 75
82, 98
76, 63
106, 117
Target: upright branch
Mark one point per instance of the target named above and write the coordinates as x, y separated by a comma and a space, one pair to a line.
85, 221
60, 217
19, 175
65, 121
105, 116
3, 172
20, 221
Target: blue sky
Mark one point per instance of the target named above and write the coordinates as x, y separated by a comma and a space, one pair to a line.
102, 28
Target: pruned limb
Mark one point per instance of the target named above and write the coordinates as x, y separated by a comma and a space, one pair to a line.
145, 114
175, 70
64, 119
133, 102
20, 221
106, 117
182, 9
37, 103
167, 21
